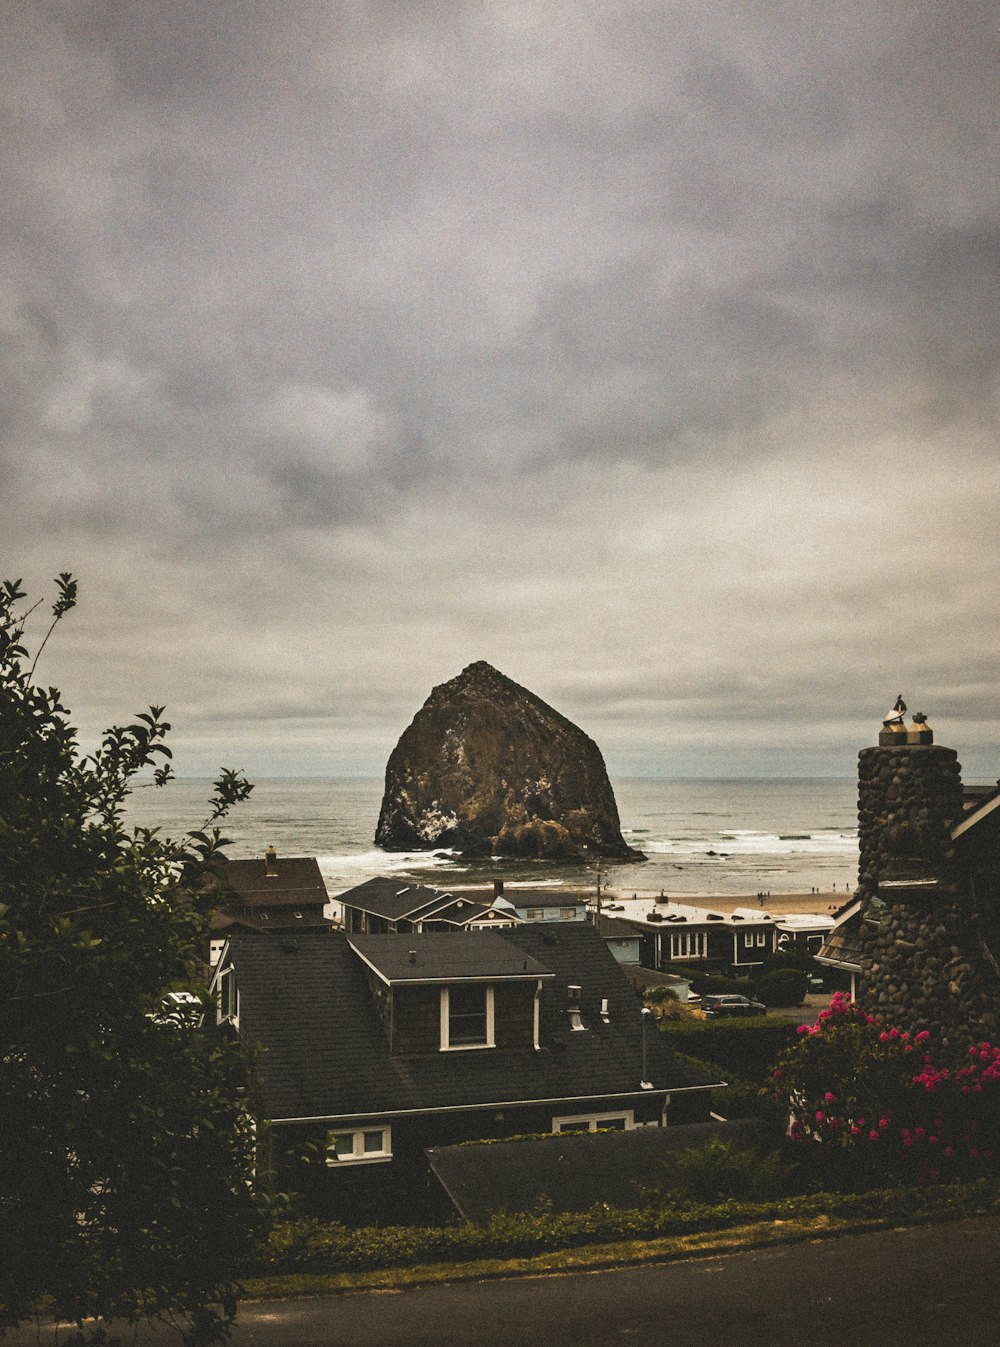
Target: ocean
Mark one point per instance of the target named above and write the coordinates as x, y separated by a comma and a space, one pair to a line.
701, 837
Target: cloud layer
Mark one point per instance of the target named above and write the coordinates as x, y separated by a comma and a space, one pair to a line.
650, 354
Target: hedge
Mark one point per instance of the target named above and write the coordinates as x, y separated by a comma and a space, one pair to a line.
749, 1048
316, 1246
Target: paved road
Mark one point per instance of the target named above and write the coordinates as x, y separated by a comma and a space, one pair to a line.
929, 1287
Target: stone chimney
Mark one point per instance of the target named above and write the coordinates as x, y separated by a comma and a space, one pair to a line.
918, 938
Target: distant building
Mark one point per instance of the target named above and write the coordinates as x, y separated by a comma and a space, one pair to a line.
385, 906
736, 942
271, 894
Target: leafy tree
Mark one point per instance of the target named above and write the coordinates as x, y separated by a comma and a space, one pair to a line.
126, 1153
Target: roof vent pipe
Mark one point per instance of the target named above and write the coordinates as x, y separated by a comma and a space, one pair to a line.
573, 1010
604, 1010
270, 863
413, 956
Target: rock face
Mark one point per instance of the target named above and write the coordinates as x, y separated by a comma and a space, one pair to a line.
487, 768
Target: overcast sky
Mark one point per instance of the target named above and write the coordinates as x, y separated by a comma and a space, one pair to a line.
648, 351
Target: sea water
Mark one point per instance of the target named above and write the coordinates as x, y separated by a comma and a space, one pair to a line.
701, 837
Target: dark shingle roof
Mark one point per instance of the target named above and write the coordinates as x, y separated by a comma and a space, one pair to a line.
391, 898
613, 929
572, 1171
298, 882
446, 956
307, 1003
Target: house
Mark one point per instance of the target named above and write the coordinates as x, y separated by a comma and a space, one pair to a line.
623, 939
551, 904
375, 1047
671, 932
736, 942
384, 906
273, 893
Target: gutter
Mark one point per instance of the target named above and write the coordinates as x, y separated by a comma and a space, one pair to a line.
667, 1092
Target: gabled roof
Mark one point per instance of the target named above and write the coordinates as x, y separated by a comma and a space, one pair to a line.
391, 899
841, 947
445, 956
308, 1004
289, 881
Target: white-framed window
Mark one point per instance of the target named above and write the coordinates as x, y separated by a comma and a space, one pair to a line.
748, 939
623, 1121
467, 1016
687, 944
761, 939
359, 1145
229, 998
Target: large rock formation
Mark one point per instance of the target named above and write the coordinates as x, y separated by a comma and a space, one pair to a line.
487, 768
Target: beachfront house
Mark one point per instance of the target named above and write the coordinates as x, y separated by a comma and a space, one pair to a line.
671, 932
384, 906
378, 1046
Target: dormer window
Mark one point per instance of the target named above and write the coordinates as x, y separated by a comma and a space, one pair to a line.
467, 1016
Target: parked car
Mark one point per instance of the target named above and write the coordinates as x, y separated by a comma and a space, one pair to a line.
729, 1004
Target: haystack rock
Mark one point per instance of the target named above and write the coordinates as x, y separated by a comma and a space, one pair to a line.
489, 769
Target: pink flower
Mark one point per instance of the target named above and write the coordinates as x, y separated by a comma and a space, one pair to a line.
873, 1135
820, 1116
830, 1098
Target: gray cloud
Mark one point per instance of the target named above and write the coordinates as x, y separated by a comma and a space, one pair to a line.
649, 355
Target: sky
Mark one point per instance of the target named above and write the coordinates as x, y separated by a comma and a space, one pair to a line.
648, 351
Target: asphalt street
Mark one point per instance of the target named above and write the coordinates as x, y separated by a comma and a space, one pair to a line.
933, 1286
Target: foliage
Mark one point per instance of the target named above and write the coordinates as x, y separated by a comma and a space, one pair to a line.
723, 1169
881, 1103
747, 1048
782, 987
125, 1167
710, 984
326, 1247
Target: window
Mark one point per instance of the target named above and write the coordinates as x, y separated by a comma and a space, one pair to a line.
567, 913
687, 944
594, 1122
359, 1145
229, 998
748, 939
761, 938
467, 1016
535, 913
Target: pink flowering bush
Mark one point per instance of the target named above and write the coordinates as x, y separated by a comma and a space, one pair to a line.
887, 1103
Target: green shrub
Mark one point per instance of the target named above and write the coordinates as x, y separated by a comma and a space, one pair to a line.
783, 987
312, 1246
725, 1169
707, 984
746, 1048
